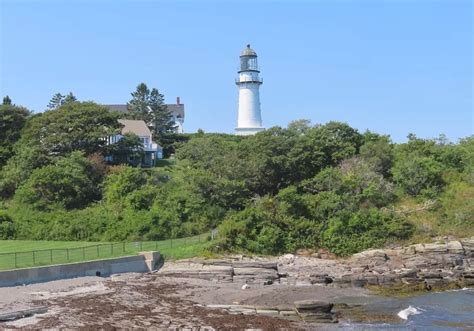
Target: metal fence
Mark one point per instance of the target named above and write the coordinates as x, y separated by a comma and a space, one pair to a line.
92, 252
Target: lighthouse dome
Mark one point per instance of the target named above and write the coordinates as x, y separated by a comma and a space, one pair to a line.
248, 51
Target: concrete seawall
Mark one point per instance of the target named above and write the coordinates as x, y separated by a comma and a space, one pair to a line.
143, 262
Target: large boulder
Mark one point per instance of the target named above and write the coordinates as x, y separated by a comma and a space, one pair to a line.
468, 246
455, 247
315, 311
372, 253
314, 306
436, 248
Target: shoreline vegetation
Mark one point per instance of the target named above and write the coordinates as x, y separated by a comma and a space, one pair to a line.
324, 186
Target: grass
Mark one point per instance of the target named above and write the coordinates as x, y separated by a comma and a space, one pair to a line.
25, 253
451, 215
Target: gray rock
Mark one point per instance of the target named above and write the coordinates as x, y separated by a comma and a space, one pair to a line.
430, 274
436, 282
313, 305
373, 253
435, 248
389, 279
468, 246
318, 317
407, 273
255, 264
268, 312
468, 281
416, 262
455, 247
359, 270
255, 271
411, 280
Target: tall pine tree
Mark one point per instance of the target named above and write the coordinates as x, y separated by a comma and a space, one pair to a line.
7, 100
58, 100
150, 107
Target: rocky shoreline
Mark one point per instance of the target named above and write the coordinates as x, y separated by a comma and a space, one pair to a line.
308, 290
436, 266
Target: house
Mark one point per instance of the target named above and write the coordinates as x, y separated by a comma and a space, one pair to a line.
176, 110
151, 150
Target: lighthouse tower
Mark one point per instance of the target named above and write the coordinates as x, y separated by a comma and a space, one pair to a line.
249, 120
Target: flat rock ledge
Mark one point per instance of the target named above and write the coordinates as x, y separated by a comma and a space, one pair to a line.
307, 310
434, 265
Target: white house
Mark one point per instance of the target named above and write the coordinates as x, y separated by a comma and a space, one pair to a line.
152, 151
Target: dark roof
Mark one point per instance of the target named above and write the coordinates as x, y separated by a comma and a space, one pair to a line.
175, 109
247, 51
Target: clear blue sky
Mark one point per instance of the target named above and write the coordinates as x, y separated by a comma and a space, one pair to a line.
393, 67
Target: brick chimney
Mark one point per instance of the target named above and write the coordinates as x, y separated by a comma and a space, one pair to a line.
178, 101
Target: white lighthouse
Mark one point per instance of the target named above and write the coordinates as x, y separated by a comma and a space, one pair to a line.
249, 119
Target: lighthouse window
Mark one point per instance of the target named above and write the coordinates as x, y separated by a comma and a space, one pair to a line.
248, 63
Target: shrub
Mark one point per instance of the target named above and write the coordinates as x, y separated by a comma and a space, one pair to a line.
7, 229
418, 175
70, 183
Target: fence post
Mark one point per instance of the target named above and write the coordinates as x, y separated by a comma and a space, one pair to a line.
123, 247
156, 245
67, 254
97, 248
34, 258
141, 245
171, 242
51, 256
15, 261
112, 249
83, 253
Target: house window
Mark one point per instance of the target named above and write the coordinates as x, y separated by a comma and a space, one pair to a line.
146, 141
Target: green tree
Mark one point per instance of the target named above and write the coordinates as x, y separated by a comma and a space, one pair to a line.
128, 150
59, 100
75, 126
7, 100
118, 185
56, 101
162, 120
70, 98
12, 121
69, 183
26, 158
138, 106
149, 106
418, 175
378, 151
7, 228
337, 141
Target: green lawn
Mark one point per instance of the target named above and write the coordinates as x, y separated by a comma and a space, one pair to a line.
25, 253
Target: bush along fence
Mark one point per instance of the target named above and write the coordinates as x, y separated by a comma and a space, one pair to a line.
16, 260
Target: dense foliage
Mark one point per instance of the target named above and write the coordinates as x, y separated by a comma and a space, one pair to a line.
12, 120
149, 106
324, 186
